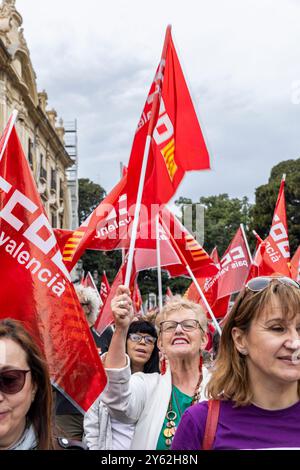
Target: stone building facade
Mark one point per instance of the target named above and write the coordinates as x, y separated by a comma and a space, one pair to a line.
42, 136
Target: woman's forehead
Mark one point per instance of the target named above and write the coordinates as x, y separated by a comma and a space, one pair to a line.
275, 309
12, 354
182, 314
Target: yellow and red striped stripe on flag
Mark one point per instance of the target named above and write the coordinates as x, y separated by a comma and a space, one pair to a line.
168, 152
195, 248
72, 245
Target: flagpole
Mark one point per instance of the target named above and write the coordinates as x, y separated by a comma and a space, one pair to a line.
11, 125
246, 242
137, 211
160, 304
215, 321
189, 270
155, 105
121, 176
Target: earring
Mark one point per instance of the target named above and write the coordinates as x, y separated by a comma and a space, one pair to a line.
200, 363
244, 352
163, 366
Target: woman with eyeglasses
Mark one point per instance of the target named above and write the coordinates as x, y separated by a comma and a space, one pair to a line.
154, 403
25, 391
103, 432
254, 390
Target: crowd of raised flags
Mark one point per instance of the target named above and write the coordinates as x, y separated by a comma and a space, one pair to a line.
36, 259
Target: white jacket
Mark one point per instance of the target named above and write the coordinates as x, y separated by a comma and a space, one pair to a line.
142, 399
97, 427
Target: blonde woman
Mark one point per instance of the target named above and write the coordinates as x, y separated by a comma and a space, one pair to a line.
154, 403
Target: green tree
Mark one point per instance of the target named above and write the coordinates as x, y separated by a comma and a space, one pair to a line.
266, 196
90, 195
222, 217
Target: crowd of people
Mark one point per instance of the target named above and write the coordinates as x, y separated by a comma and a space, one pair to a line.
160, 393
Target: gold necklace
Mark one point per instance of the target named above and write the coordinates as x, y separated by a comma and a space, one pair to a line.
171, 415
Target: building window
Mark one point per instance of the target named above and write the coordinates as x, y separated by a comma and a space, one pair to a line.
53, 219
53, 180
61, 190
30, 153
61, 220
43, 171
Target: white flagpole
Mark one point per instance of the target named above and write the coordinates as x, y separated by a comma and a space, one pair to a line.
137, 211
11, 125
246, 242
215, 322
155, 106
160, 304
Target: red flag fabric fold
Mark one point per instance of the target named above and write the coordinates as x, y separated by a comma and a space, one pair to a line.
35, 284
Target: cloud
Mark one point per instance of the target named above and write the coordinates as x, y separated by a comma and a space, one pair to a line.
97, 59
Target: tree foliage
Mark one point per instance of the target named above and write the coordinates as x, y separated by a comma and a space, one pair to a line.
222, 217
266, 196
90, 195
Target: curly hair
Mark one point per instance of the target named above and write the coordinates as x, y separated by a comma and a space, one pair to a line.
89, 295
177, 303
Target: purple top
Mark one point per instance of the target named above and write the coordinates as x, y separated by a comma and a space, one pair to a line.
243, 427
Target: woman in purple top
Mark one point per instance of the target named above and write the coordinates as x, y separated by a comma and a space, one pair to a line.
256, 375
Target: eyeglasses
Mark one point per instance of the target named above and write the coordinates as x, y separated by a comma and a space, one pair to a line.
12, 381
136, 338
260, 283
187, 325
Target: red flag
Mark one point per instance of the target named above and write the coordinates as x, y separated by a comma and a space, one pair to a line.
177, 143
209, 287
88, 281
104, 287
105, 317
79, 240
169, 294
295, 265
137, 300
36, 287
275, 251
188, 250
235, 266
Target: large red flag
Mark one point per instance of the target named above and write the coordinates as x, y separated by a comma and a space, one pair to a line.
275, 250
35, 284
295, 265
235, 266
177, 143
74, 243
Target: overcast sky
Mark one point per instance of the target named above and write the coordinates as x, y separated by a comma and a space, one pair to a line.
96, 59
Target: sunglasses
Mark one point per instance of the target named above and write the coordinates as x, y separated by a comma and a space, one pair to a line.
138, 338
258, 284
12, 381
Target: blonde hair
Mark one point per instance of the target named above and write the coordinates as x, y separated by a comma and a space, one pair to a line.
230, 378
178, 303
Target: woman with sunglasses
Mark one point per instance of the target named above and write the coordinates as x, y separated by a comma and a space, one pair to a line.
255, 384
25, 391
154, 403
103, 432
